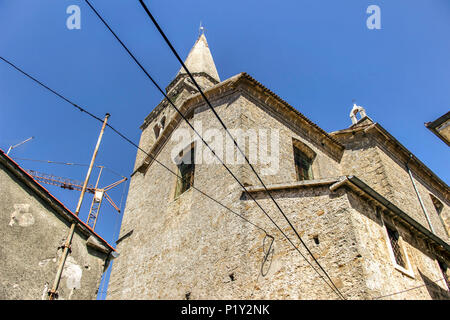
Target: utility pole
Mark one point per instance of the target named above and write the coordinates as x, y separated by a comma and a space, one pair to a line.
53, 292
12, 147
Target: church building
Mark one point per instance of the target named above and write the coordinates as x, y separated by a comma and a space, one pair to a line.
371, 213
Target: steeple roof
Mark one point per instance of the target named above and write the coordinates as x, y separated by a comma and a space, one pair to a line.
200, 59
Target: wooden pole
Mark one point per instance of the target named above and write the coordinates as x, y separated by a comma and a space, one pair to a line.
52, 294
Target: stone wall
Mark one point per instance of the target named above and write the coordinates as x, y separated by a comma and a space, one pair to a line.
31, 234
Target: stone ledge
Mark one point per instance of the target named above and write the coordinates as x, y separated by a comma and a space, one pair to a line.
294, 185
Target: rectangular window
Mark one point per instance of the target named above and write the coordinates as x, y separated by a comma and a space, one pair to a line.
395, 245
186, 170
302, 165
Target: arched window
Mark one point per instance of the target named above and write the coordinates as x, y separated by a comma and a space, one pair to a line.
302, 165
303, 159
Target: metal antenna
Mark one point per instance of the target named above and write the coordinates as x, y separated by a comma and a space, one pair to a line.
12, 147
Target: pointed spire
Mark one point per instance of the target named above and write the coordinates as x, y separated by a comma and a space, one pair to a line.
200, 59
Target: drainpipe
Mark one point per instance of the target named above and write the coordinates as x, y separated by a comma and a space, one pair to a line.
53, 292
418, 195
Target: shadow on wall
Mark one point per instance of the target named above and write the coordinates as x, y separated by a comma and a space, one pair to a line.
436, 292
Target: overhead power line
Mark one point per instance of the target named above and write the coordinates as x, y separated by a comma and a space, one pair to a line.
136, 146
332, 286
51, 90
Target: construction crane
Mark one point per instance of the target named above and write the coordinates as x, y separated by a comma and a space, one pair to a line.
70, 184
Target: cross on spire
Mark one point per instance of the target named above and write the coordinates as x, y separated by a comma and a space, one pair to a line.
201, 30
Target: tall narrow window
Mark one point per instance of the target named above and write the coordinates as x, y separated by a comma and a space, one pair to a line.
303, 165
186, 169
395, 245
439, 207
156, 130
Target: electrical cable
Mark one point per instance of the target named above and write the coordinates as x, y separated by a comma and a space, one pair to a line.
51, 90
68, 164
413, 288
335, 289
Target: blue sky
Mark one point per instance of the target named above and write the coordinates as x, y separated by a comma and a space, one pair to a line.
316, 55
